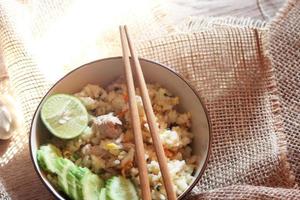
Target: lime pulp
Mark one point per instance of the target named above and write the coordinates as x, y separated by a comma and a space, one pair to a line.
64, 116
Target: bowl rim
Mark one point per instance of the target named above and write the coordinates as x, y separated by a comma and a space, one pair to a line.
210, 138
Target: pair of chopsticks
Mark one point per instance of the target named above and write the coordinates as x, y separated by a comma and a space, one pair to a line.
140, 153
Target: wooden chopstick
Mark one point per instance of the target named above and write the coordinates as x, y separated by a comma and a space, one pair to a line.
152, 122
135, 119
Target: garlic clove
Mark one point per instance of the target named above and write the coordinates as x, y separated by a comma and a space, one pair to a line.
9, 116
5, 119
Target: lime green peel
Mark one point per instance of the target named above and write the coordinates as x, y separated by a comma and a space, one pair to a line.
64, 116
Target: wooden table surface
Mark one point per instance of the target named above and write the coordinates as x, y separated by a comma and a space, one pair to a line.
179, 9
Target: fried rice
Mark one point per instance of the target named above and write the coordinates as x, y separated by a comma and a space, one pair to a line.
107, 146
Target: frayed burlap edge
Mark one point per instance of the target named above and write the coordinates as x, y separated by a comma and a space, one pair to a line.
278, 124
280, 15
198, 24
160, 14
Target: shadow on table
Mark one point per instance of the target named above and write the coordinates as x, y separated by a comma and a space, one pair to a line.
3, 146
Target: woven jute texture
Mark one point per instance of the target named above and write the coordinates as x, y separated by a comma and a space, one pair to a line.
231, 63
227, 65
43, 40
285, 57
249, 192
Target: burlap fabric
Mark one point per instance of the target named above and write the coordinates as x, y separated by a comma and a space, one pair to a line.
244, 77
227, 65
285, 57
31, 32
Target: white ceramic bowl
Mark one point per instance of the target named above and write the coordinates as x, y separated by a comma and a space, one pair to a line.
104, 72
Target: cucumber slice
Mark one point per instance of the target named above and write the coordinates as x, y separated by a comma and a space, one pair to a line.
103, 194
63, 167
46, 156
78, 173
72, 186
88, 184
77, 182
120, 188
91, 185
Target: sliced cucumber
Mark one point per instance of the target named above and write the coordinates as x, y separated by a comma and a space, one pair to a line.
63, 167
72, 186
103, 194
77, 182
91, 185
46, 157
120, 188
79, 173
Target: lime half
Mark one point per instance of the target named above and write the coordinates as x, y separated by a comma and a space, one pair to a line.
64, 116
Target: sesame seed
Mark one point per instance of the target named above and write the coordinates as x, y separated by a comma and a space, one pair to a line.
67, 118
62, 121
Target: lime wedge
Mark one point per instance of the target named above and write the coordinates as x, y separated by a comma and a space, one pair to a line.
64, 116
